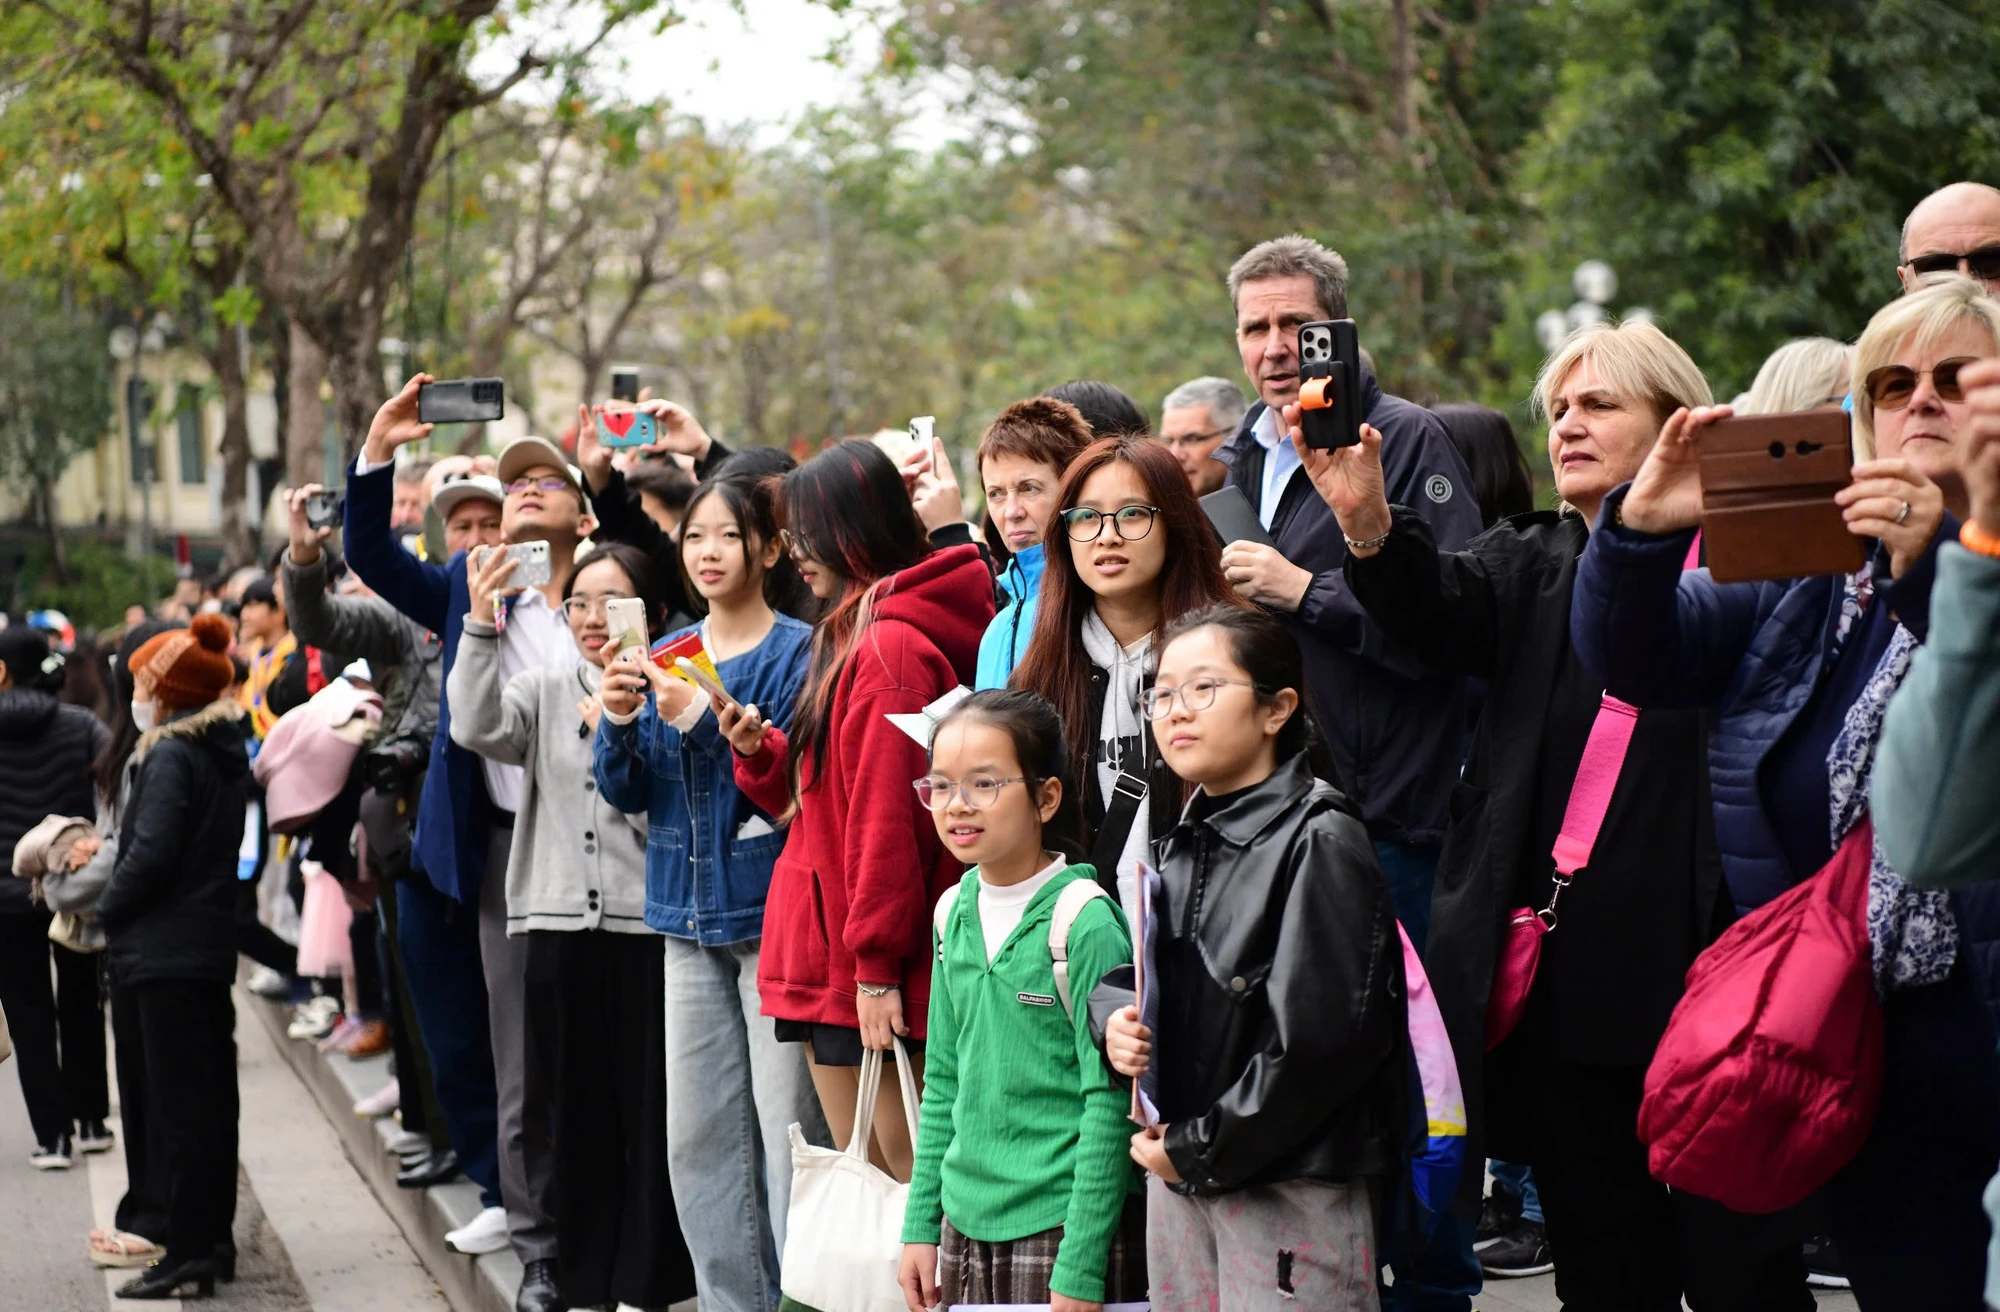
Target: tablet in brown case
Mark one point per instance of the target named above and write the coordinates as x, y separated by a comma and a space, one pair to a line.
1767, 487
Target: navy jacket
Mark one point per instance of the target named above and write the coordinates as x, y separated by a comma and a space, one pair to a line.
1397, 729
454, 813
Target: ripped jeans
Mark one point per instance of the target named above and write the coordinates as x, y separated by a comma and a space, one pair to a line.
1297, 1246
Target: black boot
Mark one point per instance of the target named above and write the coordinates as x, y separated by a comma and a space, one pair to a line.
224, 1261
171, 1278
538, 1288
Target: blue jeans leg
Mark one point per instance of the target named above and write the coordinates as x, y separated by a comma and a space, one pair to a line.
1411, 871
733, 1092
1518, 1180
440, 942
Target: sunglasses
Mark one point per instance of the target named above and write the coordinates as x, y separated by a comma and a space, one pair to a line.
1983, 264
1892, 386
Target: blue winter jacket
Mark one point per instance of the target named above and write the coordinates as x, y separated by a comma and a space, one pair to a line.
709, 850
454, 815
1658, 636
1007, 636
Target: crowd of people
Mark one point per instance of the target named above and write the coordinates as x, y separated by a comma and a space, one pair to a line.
1141, 853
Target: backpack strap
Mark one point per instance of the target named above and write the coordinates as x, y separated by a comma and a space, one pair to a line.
1070, 902
941, 915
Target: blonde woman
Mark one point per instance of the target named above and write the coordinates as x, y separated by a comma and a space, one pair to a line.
1803, 374
1797, 677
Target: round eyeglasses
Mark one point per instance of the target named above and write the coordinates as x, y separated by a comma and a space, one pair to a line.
577, 608
1195, 694
979, 791
1130, 523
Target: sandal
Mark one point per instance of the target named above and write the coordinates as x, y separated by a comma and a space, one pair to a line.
118, 1248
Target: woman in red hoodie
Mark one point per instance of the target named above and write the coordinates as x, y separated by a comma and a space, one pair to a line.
846, 958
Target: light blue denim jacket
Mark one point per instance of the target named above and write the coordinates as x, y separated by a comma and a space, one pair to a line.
709, 850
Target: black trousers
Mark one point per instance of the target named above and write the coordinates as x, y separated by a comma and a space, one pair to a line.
143, 1209
1621, 1241
183, 1075
255, 939
58, 1028
363, 928
596, 1008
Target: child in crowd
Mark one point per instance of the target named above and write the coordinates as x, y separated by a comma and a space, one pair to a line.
1274, 977
1022, 1191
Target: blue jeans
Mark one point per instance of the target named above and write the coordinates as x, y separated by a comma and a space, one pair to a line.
440, 942
1518, 1181
733, 1093
1411, 871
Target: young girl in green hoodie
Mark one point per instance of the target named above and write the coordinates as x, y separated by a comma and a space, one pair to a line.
1024, 1191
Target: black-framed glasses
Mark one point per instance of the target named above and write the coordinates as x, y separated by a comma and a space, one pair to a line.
1130, 523
1892, 386
1192, 439
1983, 264
979, 791
1196, 694
576, 608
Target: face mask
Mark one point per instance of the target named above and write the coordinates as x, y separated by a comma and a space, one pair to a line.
142, 716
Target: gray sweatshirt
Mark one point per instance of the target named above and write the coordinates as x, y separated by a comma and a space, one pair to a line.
576, 862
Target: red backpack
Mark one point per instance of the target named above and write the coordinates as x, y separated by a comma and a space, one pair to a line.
1766, 1081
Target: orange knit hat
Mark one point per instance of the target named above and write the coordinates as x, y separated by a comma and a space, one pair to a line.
186, 668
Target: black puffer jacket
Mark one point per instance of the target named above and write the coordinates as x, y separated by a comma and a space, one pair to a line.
169, 909
1280, 1004
46, 750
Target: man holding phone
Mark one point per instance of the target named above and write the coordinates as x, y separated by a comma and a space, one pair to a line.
465, 815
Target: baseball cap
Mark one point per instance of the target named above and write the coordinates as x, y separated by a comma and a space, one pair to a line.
525, 453
482, 486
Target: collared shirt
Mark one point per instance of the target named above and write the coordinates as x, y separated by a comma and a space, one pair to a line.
537, 634
1281, 461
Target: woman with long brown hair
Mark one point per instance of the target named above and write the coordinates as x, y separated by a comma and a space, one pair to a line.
1128, 554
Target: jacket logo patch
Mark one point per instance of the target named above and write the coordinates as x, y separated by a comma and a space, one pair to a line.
1438, 488
1035, 999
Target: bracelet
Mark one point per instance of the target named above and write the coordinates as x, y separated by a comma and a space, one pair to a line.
1973, 538
1370, 544
875, 990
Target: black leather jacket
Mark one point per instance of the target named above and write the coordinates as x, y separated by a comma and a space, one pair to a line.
1280, 1026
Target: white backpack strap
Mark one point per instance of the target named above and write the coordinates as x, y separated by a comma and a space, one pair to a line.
1075, 895
941, 916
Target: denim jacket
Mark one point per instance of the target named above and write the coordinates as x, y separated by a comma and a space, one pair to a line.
709, 850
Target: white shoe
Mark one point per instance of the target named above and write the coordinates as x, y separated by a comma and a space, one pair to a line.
381, 1102
314, 1019
485, 1233
268, 983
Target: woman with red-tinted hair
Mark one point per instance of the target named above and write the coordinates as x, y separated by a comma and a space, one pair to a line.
846, 960
1129, 552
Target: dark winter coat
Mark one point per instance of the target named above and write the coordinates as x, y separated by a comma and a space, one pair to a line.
46, 750
169, 908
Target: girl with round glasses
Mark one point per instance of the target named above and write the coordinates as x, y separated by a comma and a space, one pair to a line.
1128, 554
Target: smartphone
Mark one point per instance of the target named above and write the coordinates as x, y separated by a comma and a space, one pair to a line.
1767, 489
702, 679
923, 432
1330, 384
625, 428
533, 569
625, 383
626, 617
323, 509
461, 401
1233, 518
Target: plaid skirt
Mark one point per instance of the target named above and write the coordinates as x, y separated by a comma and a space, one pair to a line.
1018, 1270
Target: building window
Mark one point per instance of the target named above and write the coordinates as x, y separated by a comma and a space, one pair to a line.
187, 416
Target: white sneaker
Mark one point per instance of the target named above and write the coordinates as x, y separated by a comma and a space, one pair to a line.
381, 1102
314, 1019
485, 1233
268, 983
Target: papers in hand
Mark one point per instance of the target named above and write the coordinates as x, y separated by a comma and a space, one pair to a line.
920, 725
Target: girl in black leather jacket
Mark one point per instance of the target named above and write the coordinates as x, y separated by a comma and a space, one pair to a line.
1273, 991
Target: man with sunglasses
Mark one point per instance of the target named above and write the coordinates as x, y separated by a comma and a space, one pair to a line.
1195, 419
1955, 229
467, 978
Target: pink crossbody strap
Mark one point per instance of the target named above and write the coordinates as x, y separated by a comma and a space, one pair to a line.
1597, 774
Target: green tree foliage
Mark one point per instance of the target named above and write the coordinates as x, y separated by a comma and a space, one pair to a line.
55, 392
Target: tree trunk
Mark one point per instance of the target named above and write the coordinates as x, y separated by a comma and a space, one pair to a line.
239, 526
305, 419
356, 373
45, 487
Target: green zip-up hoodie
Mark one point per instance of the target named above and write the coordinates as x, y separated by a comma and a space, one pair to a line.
1022, 1128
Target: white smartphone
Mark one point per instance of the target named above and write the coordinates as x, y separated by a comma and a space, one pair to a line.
534, 570
923, 431
626, 617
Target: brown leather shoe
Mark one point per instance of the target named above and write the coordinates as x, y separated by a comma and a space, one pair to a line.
371, 1039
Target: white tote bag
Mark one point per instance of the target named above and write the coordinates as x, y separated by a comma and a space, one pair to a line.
844, 1233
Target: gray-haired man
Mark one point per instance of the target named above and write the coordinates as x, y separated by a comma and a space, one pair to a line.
1196, 418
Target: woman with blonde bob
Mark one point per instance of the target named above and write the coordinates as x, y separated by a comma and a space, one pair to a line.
1562, 1091
1805, 373
1796, 677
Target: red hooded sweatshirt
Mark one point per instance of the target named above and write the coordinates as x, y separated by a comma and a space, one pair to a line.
852, 893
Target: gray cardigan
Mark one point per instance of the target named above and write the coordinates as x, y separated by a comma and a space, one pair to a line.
406, 659
576, 862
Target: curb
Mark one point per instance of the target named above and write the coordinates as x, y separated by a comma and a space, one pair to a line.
482, 1284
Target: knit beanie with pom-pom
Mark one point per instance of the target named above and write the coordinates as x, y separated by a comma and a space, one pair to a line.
186, 668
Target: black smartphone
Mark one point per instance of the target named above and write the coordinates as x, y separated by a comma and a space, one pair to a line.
1234, 518
323, 509
1330, 384
461, 401
625, 383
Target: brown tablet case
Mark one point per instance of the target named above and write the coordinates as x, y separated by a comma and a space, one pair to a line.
1767, 487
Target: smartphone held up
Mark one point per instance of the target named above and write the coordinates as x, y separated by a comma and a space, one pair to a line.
1330, 412
462, 401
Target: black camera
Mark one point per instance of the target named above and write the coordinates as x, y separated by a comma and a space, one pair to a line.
323, 509
398, 761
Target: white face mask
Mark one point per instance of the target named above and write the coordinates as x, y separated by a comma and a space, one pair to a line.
142, 716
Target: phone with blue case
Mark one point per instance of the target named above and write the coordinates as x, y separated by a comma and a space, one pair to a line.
626, 428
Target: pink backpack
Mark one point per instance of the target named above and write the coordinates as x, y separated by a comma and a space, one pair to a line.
1766, 1081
